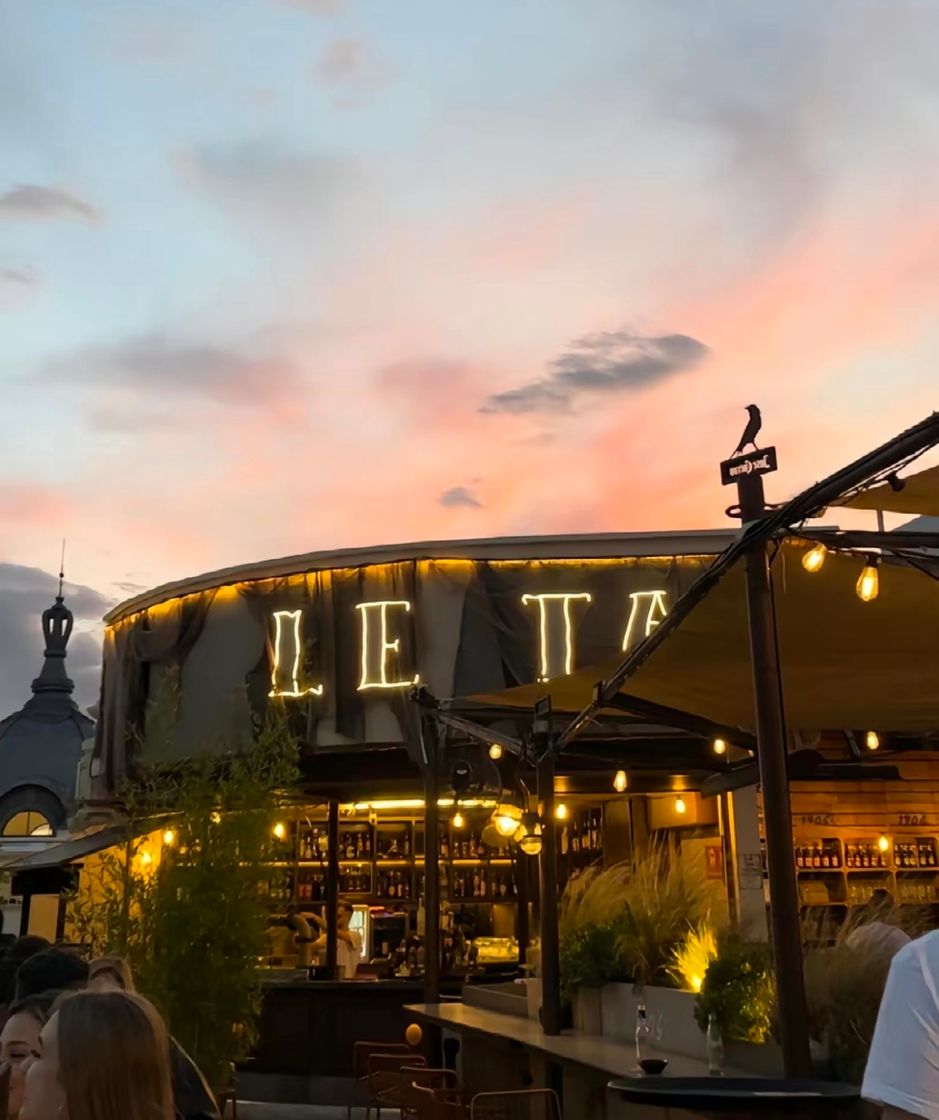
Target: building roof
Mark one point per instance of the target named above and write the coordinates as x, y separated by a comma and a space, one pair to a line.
41, 744
575, 546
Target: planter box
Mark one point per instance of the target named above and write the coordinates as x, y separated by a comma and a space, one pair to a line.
680, 1032
588, 1011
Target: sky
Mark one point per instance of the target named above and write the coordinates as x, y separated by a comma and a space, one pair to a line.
281, 275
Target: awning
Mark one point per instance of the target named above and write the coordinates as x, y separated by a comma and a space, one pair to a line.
845, 663
918, 494
66, 851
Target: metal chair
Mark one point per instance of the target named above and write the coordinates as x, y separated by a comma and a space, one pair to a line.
519, 1104
361, 1053
384, 1080
418, 1076
440, 1104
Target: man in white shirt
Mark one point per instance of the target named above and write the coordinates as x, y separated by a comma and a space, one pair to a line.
903, 1065
348, 941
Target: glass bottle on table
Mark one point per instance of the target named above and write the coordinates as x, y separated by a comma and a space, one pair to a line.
715, 1047
643, 1040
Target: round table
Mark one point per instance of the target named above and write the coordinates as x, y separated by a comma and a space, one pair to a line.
743, 1096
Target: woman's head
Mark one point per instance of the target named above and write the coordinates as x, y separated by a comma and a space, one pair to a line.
110, 974
19, 1042
102, 1056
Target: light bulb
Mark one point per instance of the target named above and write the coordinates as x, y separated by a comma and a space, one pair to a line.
680, 806
620, 781
216, 818
280, 830
169, 838
883, 843
505, 825
868, 584
813, 559
146, 859
458, 821
495, 752
719, 746
872, 740
560, 811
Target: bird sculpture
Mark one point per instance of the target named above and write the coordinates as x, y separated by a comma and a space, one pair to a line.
750, 432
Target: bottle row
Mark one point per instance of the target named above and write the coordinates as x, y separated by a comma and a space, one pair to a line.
483, 884
826, 854
392, 842
582, 834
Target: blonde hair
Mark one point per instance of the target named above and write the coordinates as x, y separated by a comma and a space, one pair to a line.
114, 1058
116, 967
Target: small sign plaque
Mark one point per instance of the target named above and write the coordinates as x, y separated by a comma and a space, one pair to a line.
762, 461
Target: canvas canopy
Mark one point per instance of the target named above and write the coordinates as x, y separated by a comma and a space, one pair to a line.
845, 663
919, 495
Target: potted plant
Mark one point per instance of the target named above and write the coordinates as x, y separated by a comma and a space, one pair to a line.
589, 918
666, 904
739, 991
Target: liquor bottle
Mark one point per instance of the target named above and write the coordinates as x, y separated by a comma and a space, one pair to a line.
575, 838
865, 855
816, 857
826, 859
406, 845
800, 861
565, 841
367, 844
835, 855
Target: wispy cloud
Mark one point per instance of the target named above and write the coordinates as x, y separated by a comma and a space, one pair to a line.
459, 497
613, 361
156, 366
17, 286
350, 67
27, 202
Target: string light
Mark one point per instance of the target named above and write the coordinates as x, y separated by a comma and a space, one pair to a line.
620, 781
289, 623
813, 560
658, 609
542, 601
458, 820
169, 838
495, 752
279, 830
868, 584
872, 740
719, 746
680, 806
883, 843
560, 811
384, 646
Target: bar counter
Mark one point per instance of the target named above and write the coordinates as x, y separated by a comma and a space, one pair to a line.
308, 1027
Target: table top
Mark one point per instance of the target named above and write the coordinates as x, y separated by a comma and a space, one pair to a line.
729, 1093
592, 1051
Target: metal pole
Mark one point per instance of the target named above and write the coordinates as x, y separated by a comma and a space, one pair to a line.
522, 893
550, 961
431, 860
332, 889
774, 781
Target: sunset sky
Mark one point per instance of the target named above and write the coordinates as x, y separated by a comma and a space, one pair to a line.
279, 275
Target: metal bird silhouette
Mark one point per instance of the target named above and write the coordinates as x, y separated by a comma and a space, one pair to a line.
750, 432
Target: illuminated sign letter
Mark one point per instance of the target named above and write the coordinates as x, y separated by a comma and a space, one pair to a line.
375, 653
555, 661
655, 608
288, 649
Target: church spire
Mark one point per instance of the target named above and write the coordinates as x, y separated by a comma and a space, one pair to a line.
57, 622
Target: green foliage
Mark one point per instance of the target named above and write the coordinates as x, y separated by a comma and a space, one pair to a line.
192, 921
665, 900
739, 991
628, 921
